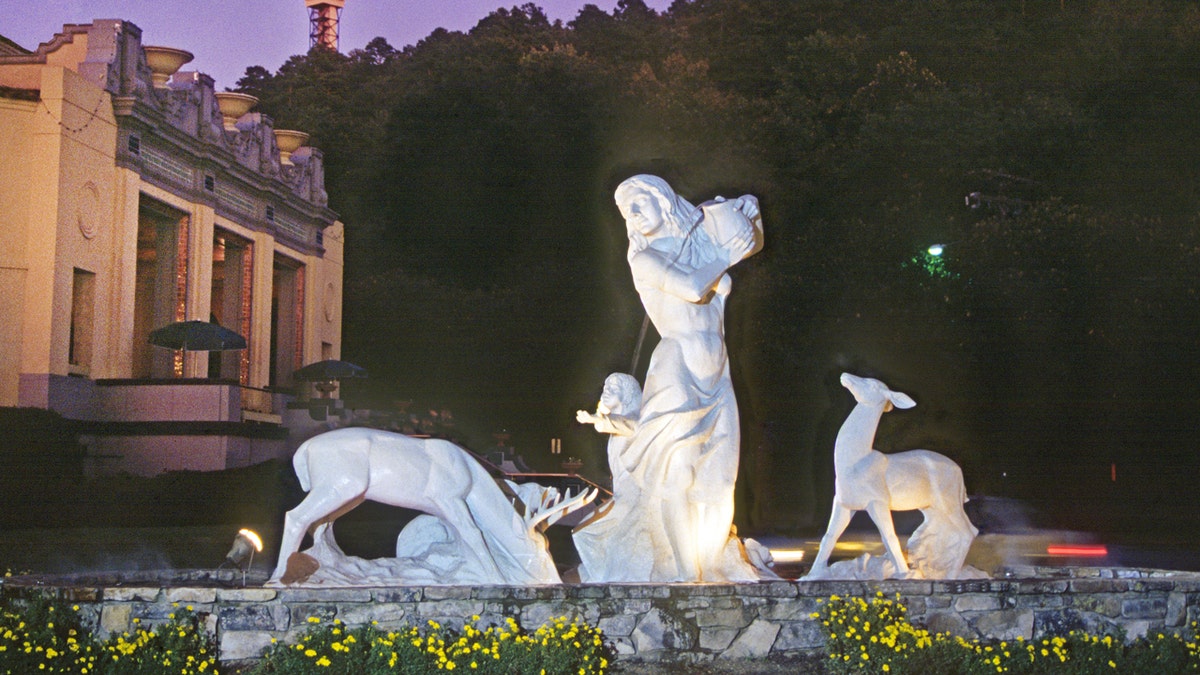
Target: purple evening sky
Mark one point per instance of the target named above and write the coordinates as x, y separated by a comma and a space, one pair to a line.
227, 36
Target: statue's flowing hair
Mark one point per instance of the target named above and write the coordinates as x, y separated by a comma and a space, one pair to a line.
679, 217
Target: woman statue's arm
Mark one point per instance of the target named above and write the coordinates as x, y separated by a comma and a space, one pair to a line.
650, 266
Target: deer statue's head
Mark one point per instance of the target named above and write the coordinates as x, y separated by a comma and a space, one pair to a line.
872, 392
530, 551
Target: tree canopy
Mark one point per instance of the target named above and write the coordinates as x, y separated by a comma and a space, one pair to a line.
1050, 147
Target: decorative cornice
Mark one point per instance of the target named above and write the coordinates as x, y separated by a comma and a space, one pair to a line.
180, 125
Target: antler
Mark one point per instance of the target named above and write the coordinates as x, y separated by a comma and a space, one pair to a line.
554, 506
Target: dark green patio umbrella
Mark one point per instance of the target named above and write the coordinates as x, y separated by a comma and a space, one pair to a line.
196, 336
327, 370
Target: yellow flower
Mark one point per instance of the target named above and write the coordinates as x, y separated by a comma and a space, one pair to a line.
323, 662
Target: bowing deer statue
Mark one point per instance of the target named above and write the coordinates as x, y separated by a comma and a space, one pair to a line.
341, 469
879, 483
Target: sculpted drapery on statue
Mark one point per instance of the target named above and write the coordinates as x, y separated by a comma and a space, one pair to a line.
671, 515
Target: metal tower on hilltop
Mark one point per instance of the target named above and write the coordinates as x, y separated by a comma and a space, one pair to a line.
323, 17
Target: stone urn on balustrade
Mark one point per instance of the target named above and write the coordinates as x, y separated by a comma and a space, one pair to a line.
233, 105
164, 62
289, 141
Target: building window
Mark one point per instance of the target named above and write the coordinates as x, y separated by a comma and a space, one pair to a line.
270, 213
83, 312
210, 183
135, 145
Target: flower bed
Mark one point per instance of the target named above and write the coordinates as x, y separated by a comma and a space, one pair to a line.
875, 636
41, 635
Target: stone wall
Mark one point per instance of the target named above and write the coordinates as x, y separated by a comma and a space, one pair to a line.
671, 622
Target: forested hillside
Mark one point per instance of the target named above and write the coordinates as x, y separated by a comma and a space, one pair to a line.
1051, 146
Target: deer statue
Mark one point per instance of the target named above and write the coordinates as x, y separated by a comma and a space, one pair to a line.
882, 483
340, 469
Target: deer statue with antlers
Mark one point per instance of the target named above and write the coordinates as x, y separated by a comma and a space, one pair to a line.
341, 469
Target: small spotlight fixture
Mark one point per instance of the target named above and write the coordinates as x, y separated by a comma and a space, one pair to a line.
245, 545
936, 250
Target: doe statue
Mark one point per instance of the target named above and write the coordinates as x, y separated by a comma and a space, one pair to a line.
674, 450
472, 533
879, 483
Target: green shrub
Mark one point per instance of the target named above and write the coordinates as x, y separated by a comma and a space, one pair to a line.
876, 637
334, 649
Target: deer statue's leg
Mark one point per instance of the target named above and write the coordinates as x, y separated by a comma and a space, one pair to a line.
316, 506
882, 517
838, 520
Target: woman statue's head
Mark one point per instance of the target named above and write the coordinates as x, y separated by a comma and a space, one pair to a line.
651, 209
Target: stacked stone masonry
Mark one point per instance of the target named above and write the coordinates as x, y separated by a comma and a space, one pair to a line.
663, 623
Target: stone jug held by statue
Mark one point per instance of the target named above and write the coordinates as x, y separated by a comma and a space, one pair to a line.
723, 220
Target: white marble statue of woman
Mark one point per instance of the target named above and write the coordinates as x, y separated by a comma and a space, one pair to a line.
671, 520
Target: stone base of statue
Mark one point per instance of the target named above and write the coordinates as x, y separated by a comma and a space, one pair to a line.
867, 567
427, 554
619, 545
938, 548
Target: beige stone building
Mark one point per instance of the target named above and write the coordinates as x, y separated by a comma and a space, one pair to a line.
132, 196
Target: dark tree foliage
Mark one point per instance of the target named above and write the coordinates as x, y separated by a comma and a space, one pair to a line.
1049, 146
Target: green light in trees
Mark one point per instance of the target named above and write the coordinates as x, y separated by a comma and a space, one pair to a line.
932, 261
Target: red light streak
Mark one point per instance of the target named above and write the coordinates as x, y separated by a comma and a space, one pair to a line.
1078, 550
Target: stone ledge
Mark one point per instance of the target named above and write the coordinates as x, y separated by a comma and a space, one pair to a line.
675, 623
